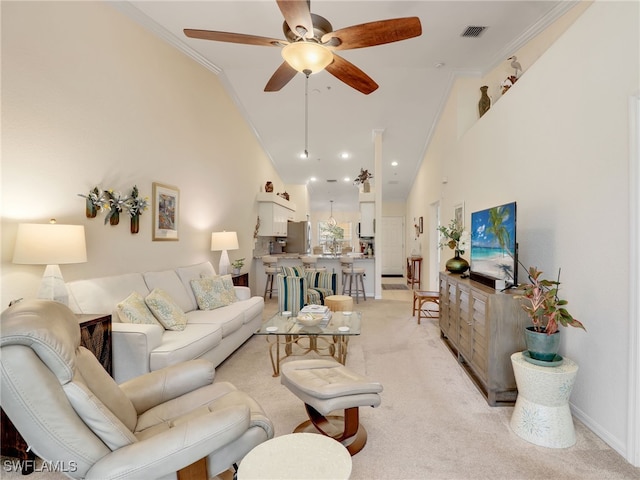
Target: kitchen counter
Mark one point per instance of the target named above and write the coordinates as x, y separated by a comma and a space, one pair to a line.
331, 262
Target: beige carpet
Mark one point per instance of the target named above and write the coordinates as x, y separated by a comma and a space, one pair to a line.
432, 423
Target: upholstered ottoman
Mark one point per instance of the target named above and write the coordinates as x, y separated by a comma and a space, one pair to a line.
339, 303
326, 386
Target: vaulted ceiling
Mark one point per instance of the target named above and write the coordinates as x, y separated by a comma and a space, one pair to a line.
414, 77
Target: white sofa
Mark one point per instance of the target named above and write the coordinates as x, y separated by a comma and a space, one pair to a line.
142, 348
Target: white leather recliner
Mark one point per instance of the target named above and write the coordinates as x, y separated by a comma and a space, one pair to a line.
68, 408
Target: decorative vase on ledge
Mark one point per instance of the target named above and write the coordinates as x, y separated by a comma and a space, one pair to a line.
457, 264
366, 186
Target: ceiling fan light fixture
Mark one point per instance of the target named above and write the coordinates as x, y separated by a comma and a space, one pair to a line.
307, 57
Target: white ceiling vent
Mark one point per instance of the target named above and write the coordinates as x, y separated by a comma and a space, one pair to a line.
332, 181
473, 31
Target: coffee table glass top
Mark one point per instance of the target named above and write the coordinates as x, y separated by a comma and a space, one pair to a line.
340, 323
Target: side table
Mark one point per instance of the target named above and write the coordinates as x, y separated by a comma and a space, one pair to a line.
240, 279
95, 335
541, 414
414, 271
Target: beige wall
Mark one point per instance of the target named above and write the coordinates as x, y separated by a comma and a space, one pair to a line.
558, 144
90, 98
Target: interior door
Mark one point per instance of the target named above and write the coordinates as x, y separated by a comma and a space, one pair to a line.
392, 234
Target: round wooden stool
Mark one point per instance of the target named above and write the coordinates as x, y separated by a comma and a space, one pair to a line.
339, 303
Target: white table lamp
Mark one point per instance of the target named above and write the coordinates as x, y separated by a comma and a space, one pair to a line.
223, 241
51, 245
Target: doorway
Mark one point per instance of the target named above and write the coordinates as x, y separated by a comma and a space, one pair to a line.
392, 238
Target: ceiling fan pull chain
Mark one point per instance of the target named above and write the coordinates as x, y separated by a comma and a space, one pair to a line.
306, 116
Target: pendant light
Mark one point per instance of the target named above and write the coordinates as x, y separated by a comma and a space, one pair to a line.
332, 221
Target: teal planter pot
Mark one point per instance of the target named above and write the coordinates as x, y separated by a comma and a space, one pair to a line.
541, 346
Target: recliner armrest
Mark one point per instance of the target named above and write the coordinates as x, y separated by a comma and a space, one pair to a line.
174, 449
154, 388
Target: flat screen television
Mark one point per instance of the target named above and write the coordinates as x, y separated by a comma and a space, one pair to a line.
494, 251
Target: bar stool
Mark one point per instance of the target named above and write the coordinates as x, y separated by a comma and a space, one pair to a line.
420, 299
271, 269
349, 274
310, 264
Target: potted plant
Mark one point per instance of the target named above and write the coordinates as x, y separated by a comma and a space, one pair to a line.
457, 239
237, 265
547, 312
363, 178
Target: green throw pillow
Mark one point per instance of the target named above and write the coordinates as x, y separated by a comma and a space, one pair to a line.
133, 309
213, 292
168, 313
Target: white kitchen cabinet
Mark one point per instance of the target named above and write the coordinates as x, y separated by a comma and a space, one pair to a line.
367, 219
274, 213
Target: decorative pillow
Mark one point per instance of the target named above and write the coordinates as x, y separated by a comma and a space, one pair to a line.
133, 310
168, 313
212, 293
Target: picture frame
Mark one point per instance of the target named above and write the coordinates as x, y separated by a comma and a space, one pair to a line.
458, 213
420, 225
166, 212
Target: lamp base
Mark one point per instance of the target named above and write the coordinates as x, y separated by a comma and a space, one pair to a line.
223, 268
52, 286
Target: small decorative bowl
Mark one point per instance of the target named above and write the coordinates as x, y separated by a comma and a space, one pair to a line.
308, 320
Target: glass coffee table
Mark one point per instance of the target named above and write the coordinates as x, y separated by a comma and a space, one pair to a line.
287, 337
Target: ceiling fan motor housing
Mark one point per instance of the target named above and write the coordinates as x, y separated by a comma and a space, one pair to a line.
321, 26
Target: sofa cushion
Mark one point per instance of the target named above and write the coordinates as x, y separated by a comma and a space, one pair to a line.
193, 342
252, 307
193, 272
229, 318
168, 312
133, 309
212, 293
169, 281
101, 295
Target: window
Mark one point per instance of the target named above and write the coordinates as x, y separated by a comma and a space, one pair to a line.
330, 237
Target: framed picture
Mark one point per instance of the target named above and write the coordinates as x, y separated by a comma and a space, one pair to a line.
458, 214
166, 207
420, 225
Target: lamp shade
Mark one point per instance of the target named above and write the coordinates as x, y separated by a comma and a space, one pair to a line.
50, 244
307, 56
224, 241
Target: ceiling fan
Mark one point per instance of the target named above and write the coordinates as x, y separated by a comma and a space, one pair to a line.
311, 44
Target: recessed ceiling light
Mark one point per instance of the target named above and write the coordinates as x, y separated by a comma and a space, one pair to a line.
312, 179
303, 156
344, 155
394, 164
347, 179
439, 65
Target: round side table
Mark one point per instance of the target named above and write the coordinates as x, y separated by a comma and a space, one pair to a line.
541, 414
297, 456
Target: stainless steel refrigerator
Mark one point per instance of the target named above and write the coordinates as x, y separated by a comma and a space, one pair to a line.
298, 237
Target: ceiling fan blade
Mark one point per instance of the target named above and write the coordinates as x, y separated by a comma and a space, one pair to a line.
297, 14
280, 78
375, 33
351, 75
234, 38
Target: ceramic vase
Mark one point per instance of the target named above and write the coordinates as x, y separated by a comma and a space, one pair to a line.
115, 218
135, 224
366, 186
90, 209
541, 346
457, 264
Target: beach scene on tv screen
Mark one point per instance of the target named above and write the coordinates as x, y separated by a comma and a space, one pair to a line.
493, 242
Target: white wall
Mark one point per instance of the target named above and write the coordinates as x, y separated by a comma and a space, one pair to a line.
558, 144
90, 98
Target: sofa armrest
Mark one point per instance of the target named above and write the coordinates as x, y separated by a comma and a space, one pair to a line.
132, 346
243, 293
157, 387
175, 448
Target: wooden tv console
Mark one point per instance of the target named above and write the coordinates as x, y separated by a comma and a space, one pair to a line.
482, 327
